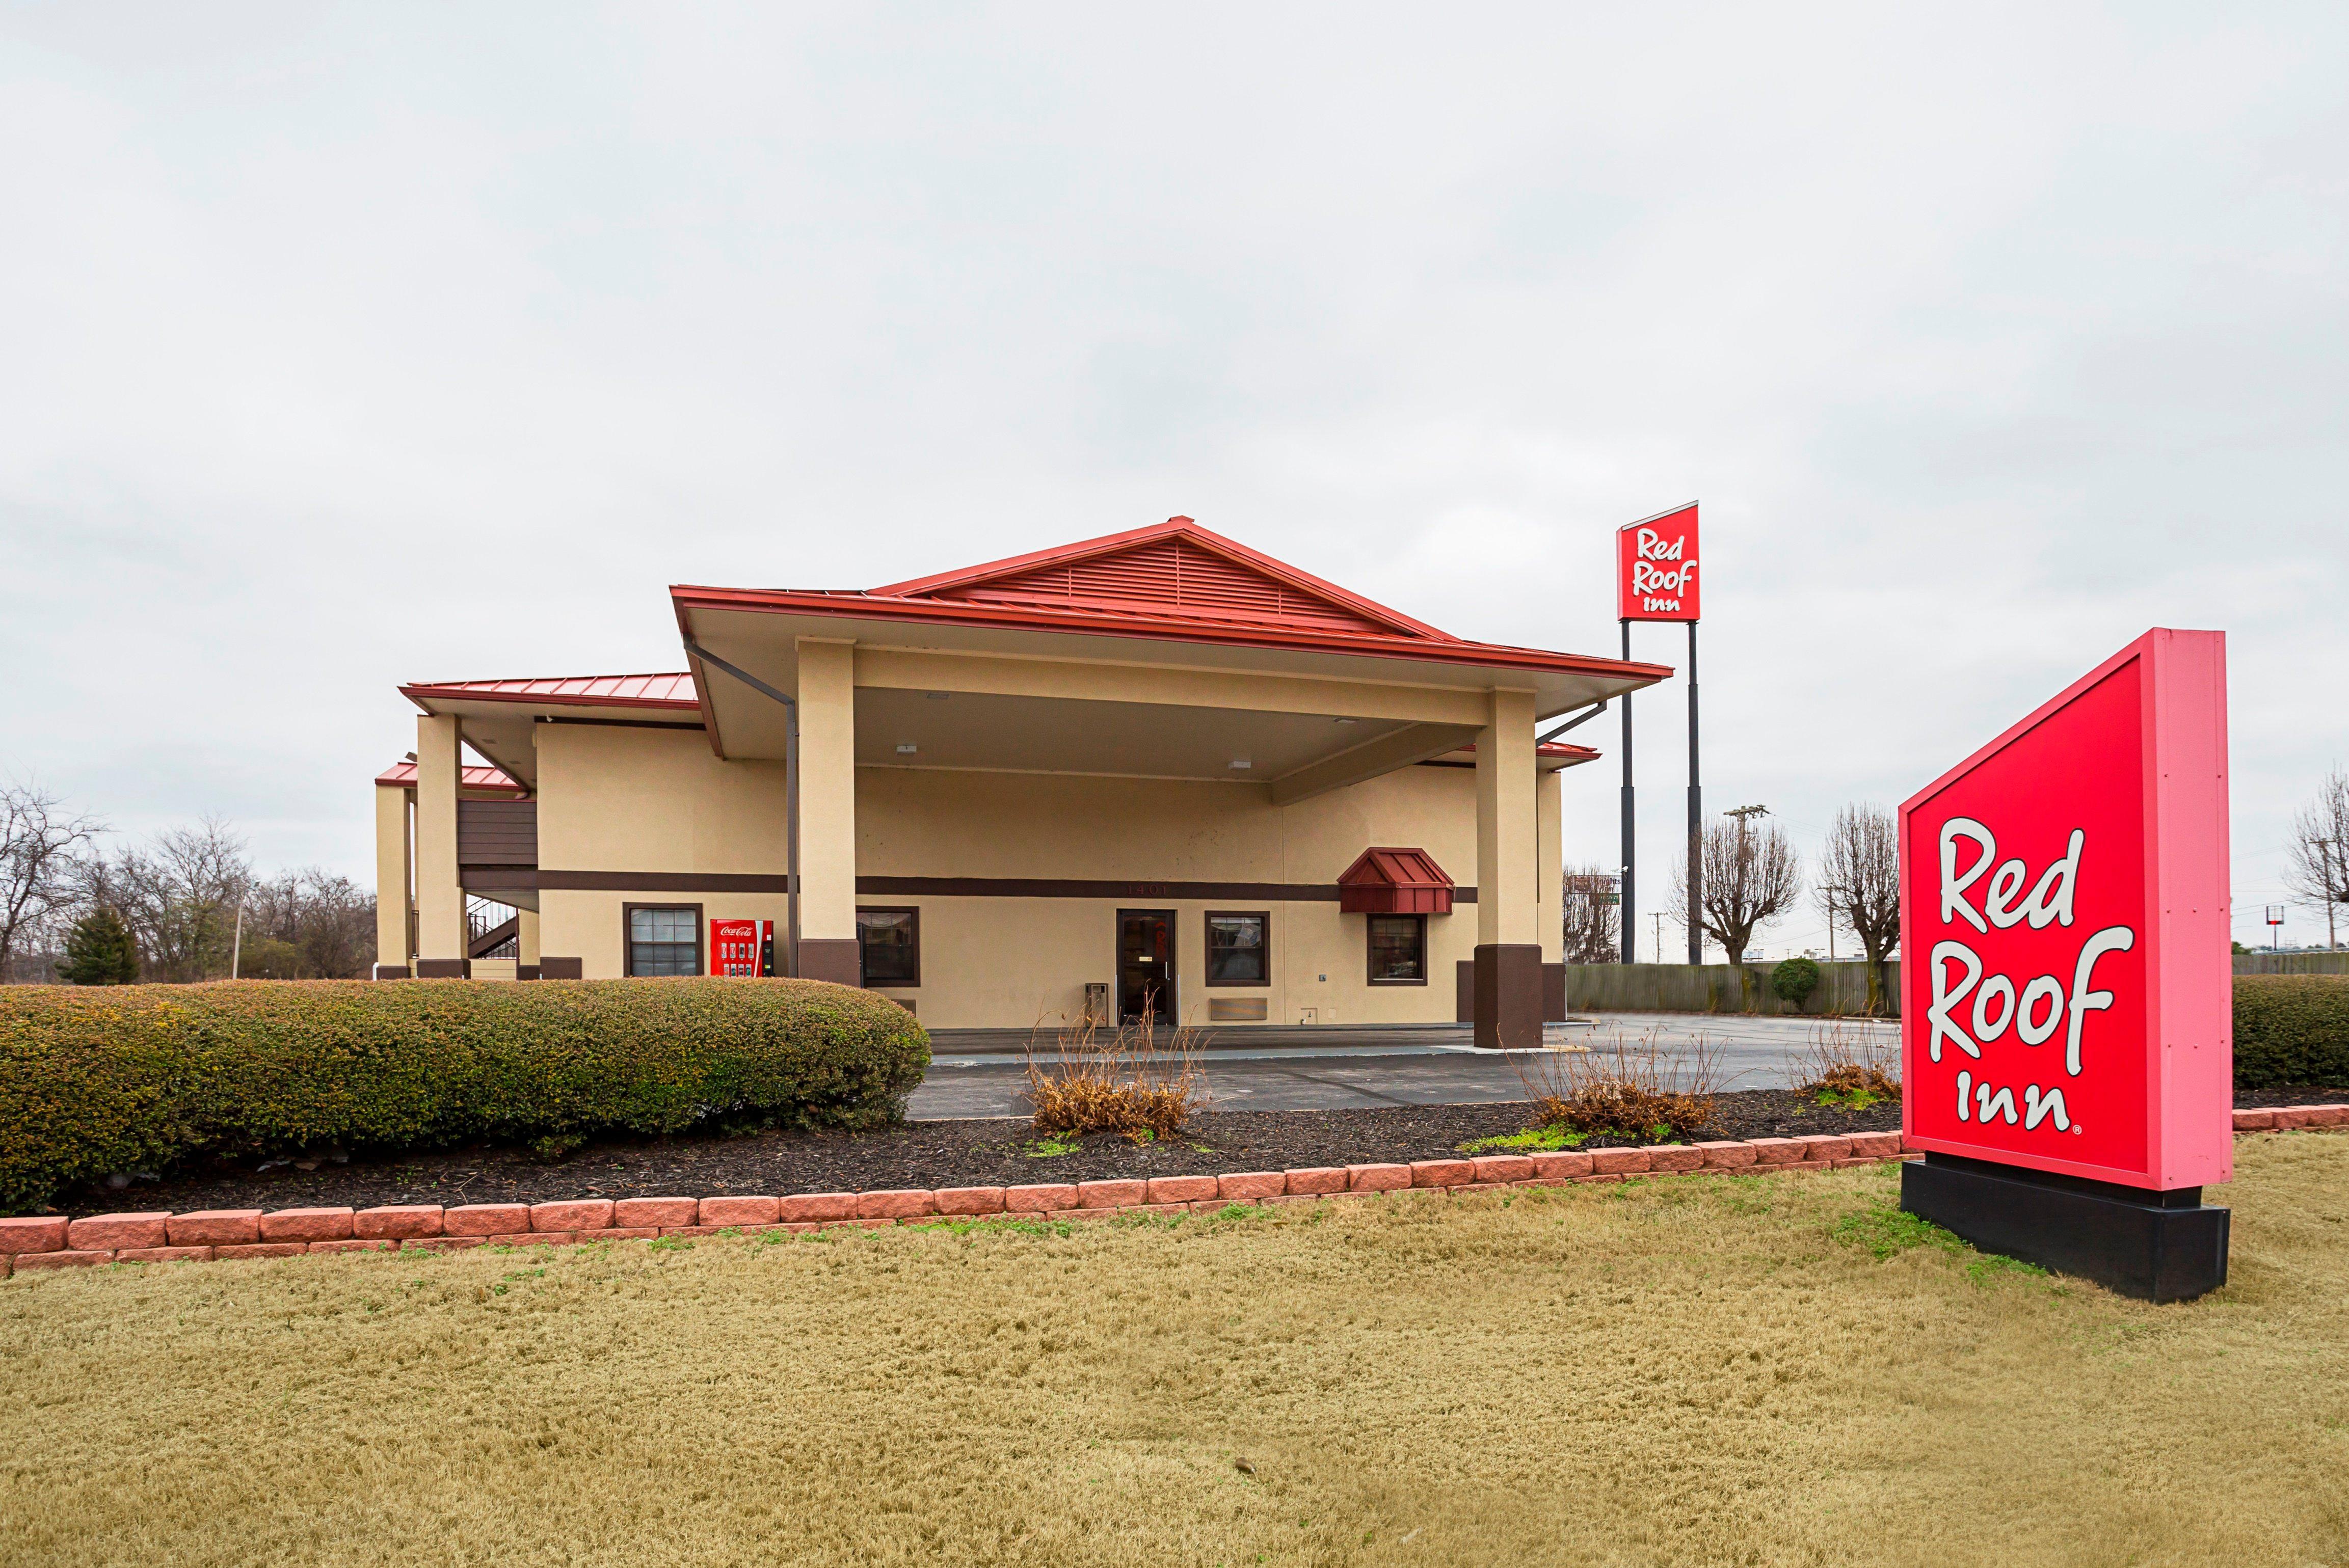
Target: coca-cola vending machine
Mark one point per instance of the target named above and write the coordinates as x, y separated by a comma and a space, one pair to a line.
742, 947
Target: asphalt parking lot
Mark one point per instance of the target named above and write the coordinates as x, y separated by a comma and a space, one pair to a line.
976, 1074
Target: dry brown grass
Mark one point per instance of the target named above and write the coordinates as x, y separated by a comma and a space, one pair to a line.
1628, 1086
1690, 1371
1121, 1081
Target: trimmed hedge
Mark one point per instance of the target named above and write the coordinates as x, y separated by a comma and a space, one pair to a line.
2291, 1029
126, 1077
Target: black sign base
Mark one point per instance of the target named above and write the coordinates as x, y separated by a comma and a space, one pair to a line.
2156, 1246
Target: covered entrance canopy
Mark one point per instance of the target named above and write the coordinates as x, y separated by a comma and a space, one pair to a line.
1168, 652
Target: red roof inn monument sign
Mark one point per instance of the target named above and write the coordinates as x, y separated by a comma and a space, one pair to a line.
2067, 1007
1655, 579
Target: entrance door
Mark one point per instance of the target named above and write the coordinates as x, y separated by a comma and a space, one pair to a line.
1145, 965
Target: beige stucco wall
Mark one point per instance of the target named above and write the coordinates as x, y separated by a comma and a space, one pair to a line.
992, 962
618, 800
622, 800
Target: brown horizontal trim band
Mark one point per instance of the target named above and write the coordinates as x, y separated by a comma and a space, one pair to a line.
1065, 887
936, 887
696, 726
661, 882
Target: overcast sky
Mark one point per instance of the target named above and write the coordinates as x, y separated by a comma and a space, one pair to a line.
340, 346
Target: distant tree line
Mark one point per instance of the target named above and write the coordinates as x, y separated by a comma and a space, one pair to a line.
75, 907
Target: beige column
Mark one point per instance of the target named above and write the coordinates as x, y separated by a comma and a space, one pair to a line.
1549, 866
439, 901
1508, 940
391, 879
526, 937
827, 697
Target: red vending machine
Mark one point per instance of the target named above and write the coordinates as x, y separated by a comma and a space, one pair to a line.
742, 947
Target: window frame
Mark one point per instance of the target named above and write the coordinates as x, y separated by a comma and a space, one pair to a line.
912, 910
628, 940
1207, 946
1370, 951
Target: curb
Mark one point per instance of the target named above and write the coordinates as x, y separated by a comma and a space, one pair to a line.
53, 1242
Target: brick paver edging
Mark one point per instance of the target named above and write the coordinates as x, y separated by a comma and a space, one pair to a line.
53, 1242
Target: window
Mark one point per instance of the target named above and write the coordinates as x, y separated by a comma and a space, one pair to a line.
1240, 948
1398, 949
889, 946
664, 939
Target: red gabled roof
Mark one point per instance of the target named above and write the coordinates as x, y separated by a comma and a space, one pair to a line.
1172, 582
1172, 567
664, 691
1390, 881
403, 775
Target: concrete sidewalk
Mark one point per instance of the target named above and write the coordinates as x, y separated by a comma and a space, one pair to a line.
1347, 1068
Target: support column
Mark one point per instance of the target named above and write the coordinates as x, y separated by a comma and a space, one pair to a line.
440, 900
1550, 891
827, 783
1508, 944
392, 866
526, 936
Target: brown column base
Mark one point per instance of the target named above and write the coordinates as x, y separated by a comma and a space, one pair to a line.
834, 958
1508, 995
391, 971
562, 968
444, 969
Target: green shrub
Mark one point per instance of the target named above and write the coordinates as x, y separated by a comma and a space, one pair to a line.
2291, 1029
1795, 980
128, 1078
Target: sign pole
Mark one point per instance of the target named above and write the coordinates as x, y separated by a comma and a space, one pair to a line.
1695, 824
1630, 923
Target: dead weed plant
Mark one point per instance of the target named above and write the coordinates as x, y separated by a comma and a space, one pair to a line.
1847, 1061
1628, 1088
1120, 1081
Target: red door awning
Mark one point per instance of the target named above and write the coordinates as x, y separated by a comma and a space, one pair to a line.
1395, 881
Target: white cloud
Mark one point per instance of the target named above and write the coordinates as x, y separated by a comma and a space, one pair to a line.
344, 346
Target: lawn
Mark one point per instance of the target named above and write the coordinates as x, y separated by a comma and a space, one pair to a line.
1688, 1371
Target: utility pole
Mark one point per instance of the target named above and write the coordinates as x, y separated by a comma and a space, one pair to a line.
1659, 918
2332, 894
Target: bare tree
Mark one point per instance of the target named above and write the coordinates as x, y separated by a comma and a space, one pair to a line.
40, 850
319, 926
1860, 887
1751, 875
1594, 916
2316, 860
178, 896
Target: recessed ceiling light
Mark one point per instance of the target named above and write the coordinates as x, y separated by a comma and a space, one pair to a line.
1345, 721
936, 695
1242, 762
907, 748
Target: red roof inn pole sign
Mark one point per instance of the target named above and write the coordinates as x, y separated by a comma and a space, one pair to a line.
1656, 580
2066, 1007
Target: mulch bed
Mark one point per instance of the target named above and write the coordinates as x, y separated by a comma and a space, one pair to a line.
982, 1153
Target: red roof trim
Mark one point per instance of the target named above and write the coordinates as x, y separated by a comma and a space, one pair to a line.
1394, 880
1157, 627
1181, 528
667, 691
402, 775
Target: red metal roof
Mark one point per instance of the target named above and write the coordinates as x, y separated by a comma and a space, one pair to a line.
1387, 881
1174, 582
664, 691
476, 777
